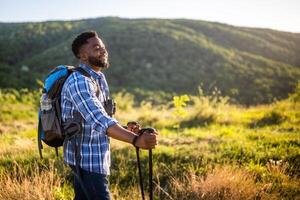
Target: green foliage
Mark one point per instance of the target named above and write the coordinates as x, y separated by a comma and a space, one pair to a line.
18, 104
252, 66
179, 103
148, 116
206, 108
270, 118
124, 101
295, 97
204, 162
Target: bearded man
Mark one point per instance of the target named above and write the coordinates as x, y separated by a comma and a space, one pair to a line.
86, 96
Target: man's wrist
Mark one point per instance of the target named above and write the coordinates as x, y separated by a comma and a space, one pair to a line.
135, 140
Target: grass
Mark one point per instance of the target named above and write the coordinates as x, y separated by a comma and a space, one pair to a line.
221, 183
242, 153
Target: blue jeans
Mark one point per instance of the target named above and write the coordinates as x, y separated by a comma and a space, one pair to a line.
95, 184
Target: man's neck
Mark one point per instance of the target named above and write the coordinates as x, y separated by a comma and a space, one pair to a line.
96, 69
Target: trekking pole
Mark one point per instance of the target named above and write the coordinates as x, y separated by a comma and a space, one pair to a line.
140, 172
149, 130
150, 175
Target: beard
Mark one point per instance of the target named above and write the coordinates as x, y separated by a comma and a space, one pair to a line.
98, 62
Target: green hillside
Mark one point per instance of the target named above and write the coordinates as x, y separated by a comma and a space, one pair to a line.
174, 56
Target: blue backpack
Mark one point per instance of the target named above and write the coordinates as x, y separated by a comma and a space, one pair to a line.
50, 128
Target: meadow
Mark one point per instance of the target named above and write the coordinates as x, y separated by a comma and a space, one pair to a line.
209, 148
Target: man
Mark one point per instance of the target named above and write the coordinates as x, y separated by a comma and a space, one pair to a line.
79, 95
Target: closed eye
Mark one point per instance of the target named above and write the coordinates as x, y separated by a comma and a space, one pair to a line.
97, 48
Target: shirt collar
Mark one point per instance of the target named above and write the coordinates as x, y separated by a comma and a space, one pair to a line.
95, 75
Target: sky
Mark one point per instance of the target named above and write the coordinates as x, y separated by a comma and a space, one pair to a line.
275, 14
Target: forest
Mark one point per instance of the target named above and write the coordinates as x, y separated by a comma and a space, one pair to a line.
251, 66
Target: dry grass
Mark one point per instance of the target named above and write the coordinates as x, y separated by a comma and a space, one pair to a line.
40, 185
129, 194
222, 183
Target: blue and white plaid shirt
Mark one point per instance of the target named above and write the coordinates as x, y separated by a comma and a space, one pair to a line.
79, 95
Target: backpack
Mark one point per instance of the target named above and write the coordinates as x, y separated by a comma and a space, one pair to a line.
50, 128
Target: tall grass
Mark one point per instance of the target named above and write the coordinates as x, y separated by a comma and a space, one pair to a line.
220, 151
221, 183
33, 183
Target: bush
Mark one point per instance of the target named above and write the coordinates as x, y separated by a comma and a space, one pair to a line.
295, 97
270, 118
206, 108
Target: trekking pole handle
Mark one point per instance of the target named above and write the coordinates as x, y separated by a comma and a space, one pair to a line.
148, 130
140, 133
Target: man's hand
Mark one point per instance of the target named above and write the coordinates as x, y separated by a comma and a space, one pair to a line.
133, 127
147, 140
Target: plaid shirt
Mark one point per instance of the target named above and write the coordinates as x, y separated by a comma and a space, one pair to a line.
79, 95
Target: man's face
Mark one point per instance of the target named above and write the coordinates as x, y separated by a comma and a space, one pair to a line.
95, 53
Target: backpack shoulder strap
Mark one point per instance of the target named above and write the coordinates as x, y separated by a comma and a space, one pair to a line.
81, 71
86, 74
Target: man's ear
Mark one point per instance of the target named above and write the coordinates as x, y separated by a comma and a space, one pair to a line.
83, 54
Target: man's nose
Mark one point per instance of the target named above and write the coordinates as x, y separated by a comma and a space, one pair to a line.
103, 51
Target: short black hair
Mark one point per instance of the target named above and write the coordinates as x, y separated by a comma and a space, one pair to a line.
80, 40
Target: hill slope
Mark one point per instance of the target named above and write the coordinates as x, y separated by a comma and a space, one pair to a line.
250, 65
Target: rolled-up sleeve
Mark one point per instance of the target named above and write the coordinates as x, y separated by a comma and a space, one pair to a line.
83, 94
